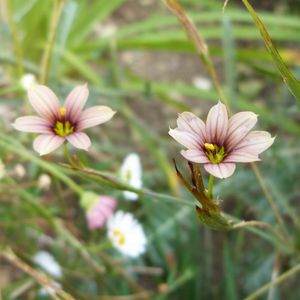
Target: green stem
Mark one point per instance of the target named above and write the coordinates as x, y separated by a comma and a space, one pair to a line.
58, 6
210, 186
278, 280
67, 155
16, 41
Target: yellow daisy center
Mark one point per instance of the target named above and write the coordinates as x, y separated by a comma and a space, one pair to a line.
119, 236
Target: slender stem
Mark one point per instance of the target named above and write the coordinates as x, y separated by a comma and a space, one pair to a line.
67, 154
269, 196
210, 186
278, 235
38, 276
16, 40
272, 283
57, 9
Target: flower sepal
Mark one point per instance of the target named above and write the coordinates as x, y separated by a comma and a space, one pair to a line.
214, 220
208, 211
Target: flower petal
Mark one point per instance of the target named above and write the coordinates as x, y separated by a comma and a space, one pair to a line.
187, 139
93, 116
255, 142
188, 122
32, 124
217, 124
75, 102
241, 156
194, 155
239, 126
46, 143
79, 140
44, 101
222, 170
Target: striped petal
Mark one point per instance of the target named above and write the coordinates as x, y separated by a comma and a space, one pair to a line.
46, 143
93, 116
75, 102
195, 155
79, 140
241, 156
187, 139
239, 126
217, 124
32, 124
190, 123
222, 170
255, 142
44, 102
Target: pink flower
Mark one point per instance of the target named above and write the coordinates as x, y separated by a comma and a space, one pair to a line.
57, 124
100, 212
221, 142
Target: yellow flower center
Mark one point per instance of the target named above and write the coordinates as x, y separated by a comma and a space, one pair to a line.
62, 111
63, 128
214, 153
119, 236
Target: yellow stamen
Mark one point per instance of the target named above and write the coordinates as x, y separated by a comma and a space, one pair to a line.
62, 111
209, 146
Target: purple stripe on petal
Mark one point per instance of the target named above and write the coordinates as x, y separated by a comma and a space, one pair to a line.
239, 126
217, 124
44, 101
93, 116
32, 124
188, 122
187, 139
222, 170
46, 143
195, 155
79, 140
75, 102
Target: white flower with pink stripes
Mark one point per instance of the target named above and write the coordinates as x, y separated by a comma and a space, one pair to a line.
222, 141
57, 124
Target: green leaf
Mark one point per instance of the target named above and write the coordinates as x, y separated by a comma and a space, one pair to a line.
288, 77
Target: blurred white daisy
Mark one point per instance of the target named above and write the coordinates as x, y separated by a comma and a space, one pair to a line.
48, 263
131, 174
27, 80
126, 234
2, 169
202, 83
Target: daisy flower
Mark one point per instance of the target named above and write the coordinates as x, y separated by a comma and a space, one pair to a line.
48, 263
126, 234
57, 124
98, 209
222, 141
131, 173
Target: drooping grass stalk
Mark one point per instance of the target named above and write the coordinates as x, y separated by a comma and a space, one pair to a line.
203, 52
15, 37
46, 59
286, 275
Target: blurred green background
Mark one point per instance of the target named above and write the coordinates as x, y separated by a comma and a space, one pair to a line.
136, 58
